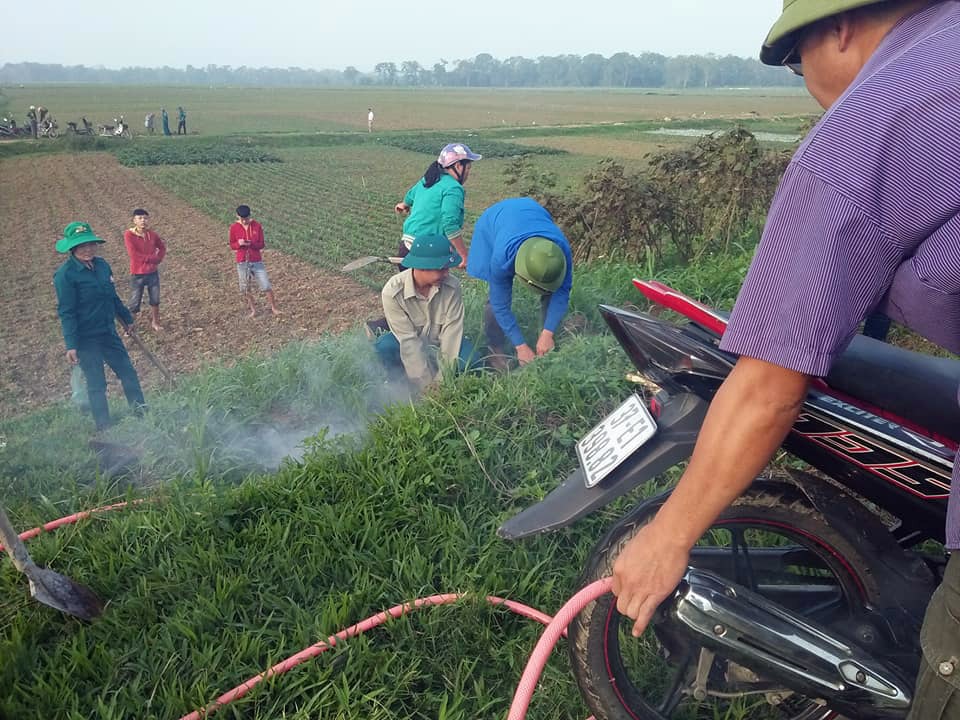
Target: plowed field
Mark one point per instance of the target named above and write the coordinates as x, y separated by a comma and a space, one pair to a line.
200, 303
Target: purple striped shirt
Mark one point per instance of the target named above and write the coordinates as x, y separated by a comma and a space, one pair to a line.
867, 215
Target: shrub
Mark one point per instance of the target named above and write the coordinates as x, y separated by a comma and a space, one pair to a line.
689, 201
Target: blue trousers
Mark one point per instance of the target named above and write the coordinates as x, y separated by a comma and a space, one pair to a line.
92, 353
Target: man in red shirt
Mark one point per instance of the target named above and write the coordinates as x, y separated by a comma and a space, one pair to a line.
246, 239
146, 250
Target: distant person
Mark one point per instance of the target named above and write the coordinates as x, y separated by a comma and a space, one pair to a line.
424, 310
88, 307
148, 122
246, 239
181, 121
369, 119
165, 121
32, 119
42, 113
435, 202
146, 250
518, 238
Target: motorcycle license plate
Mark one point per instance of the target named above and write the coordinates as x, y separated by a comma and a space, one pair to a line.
615, 439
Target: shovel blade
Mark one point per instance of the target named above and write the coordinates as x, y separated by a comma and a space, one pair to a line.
360, 262
63, 594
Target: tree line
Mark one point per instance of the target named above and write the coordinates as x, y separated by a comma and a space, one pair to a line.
621, 70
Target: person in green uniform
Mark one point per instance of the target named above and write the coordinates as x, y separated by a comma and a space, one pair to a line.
88, 306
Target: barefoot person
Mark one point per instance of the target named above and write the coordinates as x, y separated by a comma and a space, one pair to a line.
146, 250
88, 306
246, 239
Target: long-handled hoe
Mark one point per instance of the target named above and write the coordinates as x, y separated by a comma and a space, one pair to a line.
46, 586
150, 356
369, 260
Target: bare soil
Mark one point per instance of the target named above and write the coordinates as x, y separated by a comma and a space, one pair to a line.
201, 309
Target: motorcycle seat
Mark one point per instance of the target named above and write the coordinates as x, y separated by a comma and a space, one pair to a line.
916, 387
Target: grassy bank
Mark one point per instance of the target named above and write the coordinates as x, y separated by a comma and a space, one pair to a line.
235, 567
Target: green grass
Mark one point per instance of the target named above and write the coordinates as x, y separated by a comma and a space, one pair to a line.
239, 563
224, 110
208, 152
330, 205
235, 567
221, 581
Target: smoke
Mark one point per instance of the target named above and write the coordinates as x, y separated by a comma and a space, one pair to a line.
262, 412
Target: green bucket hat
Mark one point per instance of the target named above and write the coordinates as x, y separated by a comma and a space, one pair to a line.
796, 15
431, 252
76, 233
541, 264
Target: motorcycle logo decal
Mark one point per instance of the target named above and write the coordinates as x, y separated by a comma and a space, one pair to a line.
917, 477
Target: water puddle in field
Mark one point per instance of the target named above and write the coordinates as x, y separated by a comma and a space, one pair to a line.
700, 132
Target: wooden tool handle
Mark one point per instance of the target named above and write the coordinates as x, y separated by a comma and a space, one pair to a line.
13, 544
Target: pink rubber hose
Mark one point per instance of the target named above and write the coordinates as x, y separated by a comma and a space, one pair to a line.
352, 631
556, 628
71, 519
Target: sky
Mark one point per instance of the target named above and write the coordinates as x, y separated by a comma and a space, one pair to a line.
320, 34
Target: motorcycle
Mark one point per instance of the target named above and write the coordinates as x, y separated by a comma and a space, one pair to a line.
48, 128
87, 128
118, 129
9, 128
805, 598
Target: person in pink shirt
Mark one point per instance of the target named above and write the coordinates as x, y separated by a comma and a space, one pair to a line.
146, 250
246, 240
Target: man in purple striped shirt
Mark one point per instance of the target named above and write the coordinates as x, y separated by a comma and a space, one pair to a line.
867, 216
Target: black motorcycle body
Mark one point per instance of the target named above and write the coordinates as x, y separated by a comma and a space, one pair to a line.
9, 128
807, 595
87, 128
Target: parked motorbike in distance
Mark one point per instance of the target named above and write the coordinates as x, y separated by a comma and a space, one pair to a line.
805, 598
48, 128
119, 129
9, 128
87, 128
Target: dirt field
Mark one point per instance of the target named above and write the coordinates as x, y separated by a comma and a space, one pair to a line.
200, 303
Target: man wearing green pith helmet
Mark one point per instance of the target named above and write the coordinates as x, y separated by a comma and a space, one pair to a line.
88, 306
517, 238
424, 310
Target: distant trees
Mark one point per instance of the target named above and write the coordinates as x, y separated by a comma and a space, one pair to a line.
621, 70
386, 73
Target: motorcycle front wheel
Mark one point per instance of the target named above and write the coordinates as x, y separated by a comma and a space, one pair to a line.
770, 541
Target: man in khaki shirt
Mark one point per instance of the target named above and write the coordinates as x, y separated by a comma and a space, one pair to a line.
424, 309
